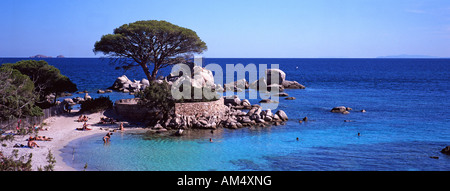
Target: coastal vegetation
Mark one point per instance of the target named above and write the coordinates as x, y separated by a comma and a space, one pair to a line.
17, 95
47, 80
15, 163
157, 95
95, 105
151, 43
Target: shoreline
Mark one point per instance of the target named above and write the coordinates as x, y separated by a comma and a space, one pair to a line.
62, 129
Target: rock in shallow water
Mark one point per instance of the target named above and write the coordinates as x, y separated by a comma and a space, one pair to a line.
446, 150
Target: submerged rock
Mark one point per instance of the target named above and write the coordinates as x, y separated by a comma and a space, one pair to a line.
267, 101
282, 95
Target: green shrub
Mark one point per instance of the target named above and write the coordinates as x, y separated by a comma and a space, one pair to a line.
95, 105
17, 95
157, 95
14, 162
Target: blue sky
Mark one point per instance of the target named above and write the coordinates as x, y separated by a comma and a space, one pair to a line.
236, 28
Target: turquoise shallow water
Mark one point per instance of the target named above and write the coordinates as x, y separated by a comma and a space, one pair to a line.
406, 122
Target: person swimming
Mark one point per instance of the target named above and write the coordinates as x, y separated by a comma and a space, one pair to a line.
121, 126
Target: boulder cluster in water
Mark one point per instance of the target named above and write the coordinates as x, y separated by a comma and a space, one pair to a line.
343, 110
231, 118
202, 77
268, 84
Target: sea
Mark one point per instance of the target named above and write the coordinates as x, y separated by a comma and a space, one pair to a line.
404, 129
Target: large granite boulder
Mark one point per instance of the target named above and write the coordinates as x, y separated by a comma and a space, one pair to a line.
202, 78
282, 115
277, 73
339, 109
237, 86
124, 84
267, 83
259, 84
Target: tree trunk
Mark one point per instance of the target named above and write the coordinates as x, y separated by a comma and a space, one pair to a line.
146, 70
154, 73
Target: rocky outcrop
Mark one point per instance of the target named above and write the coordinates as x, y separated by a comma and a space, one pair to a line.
259, 84
341, 109
282, 115
124, 84
446, 150
267, 83
200, 78
214, 115
282, 95
231, 119
236, 103
237, 86
292, 85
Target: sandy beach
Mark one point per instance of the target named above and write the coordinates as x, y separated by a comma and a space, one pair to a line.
63, 130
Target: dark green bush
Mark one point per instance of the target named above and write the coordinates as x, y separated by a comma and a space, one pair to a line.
157, 95
95, 105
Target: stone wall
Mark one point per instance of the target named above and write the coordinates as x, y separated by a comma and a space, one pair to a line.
213, 108
130, 110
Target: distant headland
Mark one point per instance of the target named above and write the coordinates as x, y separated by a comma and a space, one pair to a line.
44, 56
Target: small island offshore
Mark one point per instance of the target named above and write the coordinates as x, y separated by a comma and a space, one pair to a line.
44, 56
201, 91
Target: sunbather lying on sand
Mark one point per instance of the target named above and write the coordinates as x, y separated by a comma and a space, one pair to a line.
42, 138
84, 128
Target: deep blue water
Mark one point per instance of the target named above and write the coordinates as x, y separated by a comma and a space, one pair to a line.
406, 121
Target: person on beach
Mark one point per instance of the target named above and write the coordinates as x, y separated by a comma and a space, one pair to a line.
80, 119
84, 128
107, 137
42, 138
32, 143
36, 127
